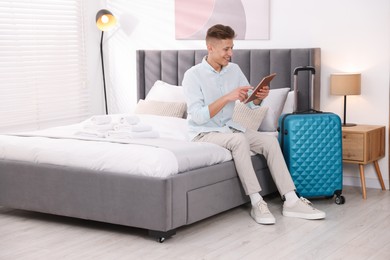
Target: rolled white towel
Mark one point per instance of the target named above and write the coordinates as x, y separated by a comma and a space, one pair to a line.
131, 135
130, 119
142, 128
133, 128
101, 119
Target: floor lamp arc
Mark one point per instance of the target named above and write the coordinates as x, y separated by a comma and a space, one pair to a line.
105, 21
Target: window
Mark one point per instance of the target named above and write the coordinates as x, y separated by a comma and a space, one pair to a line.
42, 64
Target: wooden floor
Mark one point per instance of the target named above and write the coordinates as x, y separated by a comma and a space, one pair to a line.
356, 230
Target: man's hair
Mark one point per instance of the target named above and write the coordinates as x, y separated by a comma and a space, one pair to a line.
221, 32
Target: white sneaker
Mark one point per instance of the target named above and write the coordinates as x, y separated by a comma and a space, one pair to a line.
261, 214
303, 209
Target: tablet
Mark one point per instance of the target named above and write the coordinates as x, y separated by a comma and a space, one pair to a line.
264, 82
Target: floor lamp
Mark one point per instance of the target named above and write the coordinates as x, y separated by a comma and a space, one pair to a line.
345, 85
105, 20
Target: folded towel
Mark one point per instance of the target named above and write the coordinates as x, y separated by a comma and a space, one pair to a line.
132, 135
101, 120
133, 128
130, 119
98, 128
85, 133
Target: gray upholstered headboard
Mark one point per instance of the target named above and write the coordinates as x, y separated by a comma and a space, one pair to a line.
170, 65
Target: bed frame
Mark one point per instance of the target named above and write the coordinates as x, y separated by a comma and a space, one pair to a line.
159, 205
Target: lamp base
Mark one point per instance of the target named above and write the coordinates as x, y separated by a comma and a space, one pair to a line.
348, 124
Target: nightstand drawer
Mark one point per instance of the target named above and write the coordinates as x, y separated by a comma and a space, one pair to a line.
353, 145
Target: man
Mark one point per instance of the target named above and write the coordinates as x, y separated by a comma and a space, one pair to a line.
211, 89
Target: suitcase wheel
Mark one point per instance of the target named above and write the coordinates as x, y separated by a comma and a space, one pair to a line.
339, 199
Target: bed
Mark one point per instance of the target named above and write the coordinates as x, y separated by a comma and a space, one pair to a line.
158, 204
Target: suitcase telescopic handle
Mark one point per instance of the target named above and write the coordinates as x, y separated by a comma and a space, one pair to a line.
311, 90
305, 68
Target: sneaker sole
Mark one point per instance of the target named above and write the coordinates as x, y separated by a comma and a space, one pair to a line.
263, 221
304, 216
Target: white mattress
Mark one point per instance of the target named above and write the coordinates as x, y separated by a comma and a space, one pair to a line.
169, 154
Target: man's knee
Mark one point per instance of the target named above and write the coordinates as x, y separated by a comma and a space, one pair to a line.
271, 143
238, 139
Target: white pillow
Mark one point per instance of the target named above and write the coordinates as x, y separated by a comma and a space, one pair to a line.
289, 104
160, 108
162, 91
275, 103
247, 117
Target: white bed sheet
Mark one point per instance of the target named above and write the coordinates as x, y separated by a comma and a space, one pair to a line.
60, 146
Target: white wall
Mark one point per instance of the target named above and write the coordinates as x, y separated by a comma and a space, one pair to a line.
354, 36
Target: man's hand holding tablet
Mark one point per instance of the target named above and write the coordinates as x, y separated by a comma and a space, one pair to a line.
263, 83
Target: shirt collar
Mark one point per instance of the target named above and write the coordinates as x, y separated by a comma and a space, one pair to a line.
209, 67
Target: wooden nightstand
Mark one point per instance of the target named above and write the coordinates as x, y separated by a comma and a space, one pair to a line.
363, 144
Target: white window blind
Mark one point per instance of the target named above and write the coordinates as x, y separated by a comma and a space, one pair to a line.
42, 63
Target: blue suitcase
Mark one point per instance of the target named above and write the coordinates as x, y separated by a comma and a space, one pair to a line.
311, 143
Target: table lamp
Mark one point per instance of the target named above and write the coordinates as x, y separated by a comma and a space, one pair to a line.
345, 85
105, 20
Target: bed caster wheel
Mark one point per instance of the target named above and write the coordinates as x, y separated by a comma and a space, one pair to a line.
161, 236
339, 200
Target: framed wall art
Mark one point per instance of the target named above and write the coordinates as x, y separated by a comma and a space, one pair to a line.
249, 18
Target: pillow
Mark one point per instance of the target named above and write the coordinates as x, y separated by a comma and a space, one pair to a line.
275, 103
162, 91
160, 108
289, 104
247, 117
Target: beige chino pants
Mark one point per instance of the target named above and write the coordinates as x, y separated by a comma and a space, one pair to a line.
240, 144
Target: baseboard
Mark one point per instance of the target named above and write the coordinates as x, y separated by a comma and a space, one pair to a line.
370, 182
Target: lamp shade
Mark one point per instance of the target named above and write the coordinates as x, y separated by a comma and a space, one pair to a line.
345, 84
105, 20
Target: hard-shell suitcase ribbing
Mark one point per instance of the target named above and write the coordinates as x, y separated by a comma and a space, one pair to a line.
311, 143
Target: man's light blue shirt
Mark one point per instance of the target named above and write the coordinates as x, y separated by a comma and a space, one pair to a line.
202, 86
